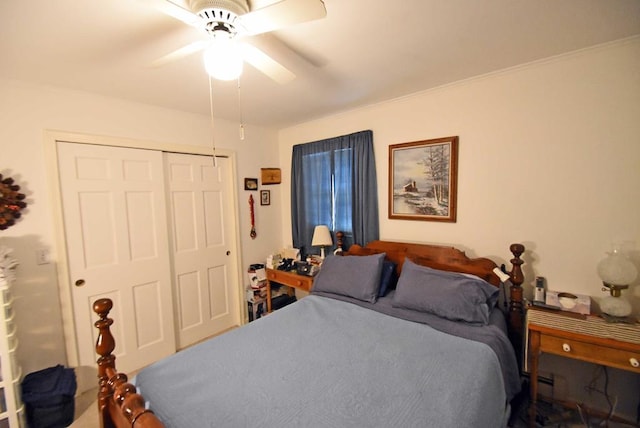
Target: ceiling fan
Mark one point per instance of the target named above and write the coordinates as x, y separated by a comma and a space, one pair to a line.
228, 24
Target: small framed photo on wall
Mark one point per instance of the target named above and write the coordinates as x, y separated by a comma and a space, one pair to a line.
250, 184
265, 197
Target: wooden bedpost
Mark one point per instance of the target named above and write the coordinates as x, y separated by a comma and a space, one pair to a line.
339, 242
516, 310
119, 404
516, 299
105, 344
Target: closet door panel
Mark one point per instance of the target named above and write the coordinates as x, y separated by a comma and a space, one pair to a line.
203, 247
115, 219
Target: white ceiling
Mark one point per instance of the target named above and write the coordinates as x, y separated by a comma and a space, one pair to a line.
363, 52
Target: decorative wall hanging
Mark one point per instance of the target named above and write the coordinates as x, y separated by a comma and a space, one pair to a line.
423, 180
252, 212
11, 202
271, 175
250, 184
265, 197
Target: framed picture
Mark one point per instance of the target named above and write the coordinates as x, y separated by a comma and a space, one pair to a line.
270, 175
250, 184
423, 180
265, 197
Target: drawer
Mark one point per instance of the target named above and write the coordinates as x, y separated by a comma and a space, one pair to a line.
302, 285
599, 354
291, 279
273, 275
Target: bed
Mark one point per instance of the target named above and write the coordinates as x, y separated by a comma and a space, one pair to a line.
432, 350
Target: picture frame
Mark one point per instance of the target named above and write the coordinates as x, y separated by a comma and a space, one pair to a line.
423, 179
270, 176
251, 184
265, 197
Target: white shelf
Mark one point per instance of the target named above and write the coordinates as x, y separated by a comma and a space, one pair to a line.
12, 413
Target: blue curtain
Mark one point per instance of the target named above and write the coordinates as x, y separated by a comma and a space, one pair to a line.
333, 182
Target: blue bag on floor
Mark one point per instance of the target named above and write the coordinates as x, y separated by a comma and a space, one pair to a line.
48, 396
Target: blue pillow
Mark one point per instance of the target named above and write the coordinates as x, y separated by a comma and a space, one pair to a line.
451, 295
352, 276
388, 277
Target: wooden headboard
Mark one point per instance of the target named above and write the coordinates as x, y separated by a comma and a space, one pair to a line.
434, 256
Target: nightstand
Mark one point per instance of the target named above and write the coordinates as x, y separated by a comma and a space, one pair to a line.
288, 278
587, 338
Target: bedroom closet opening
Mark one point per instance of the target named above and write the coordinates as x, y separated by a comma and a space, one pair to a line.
155, 232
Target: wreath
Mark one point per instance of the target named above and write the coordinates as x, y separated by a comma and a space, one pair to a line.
11, 202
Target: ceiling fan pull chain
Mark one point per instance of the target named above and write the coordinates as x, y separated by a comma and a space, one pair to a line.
240, 110
213, 137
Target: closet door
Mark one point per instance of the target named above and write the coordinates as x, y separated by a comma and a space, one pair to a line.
202, 245
116, 226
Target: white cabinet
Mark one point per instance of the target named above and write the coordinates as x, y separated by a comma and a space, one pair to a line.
11, 407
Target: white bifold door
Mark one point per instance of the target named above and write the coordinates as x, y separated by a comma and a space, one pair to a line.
205, 296
152, 231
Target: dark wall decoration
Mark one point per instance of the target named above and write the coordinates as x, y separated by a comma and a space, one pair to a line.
11, 202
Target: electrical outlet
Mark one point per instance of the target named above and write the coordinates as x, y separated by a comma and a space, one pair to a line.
42, 256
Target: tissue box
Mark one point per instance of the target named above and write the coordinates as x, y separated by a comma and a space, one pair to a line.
570, 302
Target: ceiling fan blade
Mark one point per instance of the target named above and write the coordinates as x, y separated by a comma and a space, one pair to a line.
282, 14
184, 51
178, 12
266, 64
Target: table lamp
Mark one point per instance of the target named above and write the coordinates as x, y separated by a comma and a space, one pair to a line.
321, 238
616, 272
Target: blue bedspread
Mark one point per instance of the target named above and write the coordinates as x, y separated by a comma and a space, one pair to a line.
322, 362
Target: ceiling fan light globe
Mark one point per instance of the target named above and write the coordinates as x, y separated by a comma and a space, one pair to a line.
223, 60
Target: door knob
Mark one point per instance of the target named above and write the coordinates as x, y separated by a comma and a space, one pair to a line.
79, 282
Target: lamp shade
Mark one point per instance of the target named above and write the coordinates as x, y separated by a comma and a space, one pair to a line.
321, 236
616, 269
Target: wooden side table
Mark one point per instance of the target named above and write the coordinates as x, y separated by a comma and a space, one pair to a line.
588, 339
288, 278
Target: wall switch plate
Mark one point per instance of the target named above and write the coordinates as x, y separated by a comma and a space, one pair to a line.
42, 256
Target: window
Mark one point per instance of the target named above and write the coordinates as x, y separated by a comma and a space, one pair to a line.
333, 182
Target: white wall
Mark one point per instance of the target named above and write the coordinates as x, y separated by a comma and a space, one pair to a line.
27, 111
549, 156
